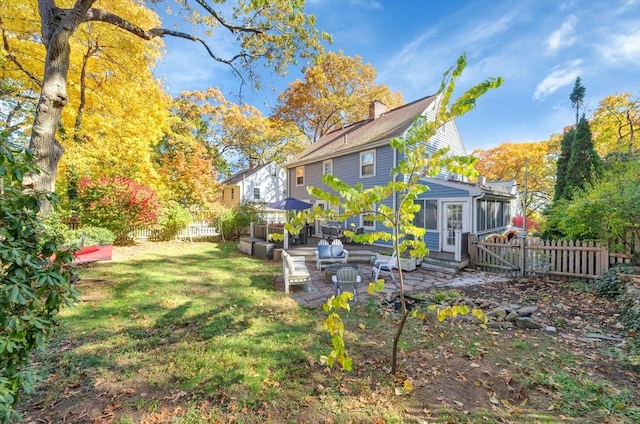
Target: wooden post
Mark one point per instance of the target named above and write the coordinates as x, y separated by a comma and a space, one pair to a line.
522, 264
604, 259
473, 250
458, 252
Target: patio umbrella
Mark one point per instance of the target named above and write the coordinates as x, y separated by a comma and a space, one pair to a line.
290, 204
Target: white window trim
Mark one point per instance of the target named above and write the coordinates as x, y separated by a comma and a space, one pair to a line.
300, 167
368, 227
374, 163
330, 163
256, 189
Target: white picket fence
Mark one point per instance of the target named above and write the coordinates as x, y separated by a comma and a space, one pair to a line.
194, 230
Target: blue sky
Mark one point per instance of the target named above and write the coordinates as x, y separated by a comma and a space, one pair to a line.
539, 47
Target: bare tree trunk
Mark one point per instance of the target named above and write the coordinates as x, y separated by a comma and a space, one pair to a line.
57, 28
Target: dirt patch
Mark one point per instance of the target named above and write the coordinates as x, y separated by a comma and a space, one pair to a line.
477, 370
93, 289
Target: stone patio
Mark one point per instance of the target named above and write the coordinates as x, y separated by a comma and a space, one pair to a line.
416, 280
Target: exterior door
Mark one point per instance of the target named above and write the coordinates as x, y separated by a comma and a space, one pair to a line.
453, 220
320, 222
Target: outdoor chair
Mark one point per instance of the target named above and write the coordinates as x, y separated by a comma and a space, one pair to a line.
330, 253
386, 265
347, 279
325, 232
335, 233
295, 272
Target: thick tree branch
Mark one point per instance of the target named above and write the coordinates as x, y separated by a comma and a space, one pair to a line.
113, 19
233, 28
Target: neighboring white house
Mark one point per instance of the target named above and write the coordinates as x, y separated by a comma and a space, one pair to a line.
265, 183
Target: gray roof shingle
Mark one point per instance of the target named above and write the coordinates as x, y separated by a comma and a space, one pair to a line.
390, 124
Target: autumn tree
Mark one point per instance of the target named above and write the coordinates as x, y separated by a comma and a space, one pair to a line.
336, 91
616, 125
507, 162
239, 132
276, 33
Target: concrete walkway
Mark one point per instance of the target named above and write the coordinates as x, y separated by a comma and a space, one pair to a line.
417, 280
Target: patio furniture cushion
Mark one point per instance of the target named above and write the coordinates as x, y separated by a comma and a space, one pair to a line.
324, 251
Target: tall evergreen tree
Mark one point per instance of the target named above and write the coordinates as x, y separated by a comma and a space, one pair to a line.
577, 97
584, 164
563, 161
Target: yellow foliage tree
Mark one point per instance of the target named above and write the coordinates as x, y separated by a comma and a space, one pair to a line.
616, 125
240, 132
277, 32
188, 165
336, 92
116, 110
507, 162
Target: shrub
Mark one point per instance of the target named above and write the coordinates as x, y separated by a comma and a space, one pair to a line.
118, 204
235, 220
609, 284
173, 219
88, 236
33, 287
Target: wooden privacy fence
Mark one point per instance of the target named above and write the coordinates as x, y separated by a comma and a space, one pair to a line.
532, 256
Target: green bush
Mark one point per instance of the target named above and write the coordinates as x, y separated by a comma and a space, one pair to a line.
609, 284
89, 236
235, 220
84, 236
173, 219
34, 278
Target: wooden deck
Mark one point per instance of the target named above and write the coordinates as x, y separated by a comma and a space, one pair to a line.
440, 263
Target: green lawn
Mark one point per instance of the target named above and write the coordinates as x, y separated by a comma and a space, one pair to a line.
197, 333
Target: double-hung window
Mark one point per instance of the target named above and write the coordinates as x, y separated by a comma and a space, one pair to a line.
427, 217
327, 167
256, 193
367, 219
368, 163
300, 175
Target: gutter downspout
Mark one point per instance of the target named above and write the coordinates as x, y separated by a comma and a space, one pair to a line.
395, 193
474, 213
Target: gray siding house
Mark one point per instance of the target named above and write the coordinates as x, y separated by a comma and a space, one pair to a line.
361, 153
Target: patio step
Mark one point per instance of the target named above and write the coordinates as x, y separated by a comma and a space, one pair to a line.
440, 270
357, 255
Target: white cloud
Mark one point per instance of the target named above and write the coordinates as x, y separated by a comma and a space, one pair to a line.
563, 37
622, 48
556, 79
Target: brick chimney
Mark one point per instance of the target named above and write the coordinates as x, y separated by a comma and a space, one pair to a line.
254, 162
376, 108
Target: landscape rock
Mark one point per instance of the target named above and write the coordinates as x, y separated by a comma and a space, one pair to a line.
497, 313
512, 316
527, 311
528, 323
494, 324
